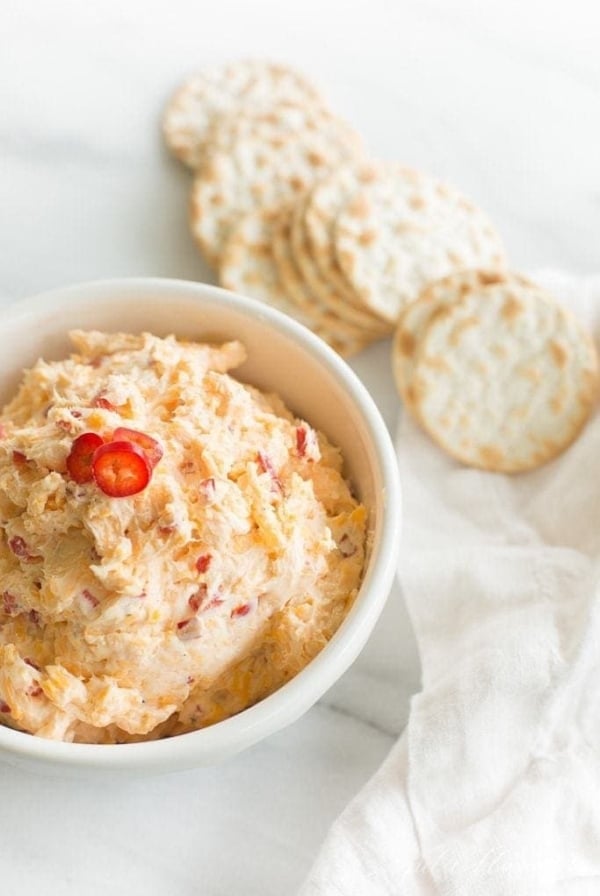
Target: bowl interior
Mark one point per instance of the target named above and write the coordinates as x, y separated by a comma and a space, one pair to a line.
282, 357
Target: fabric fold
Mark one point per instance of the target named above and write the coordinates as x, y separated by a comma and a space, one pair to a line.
494, 787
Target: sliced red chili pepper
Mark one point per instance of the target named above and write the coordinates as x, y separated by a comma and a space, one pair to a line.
120, 469
79, 461
151, 448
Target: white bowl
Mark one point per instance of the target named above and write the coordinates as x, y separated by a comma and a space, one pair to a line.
284, 357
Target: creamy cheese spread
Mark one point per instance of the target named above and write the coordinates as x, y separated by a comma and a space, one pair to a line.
137, 617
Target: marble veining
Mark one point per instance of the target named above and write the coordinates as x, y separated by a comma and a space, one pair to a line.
499, 98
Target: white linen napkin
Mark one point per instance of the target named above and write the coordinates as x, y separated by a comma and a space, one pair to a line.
494, 787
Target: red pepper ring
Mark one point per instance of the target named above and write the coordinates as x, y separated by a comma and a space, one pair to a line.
151, 448
79, 460
121, 469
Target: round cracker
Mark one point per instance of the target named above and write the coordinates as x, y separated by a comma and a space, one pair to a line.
415, 317
197, 104
295, 287
326, 200
252, 176
325, 291
298, 290
275, 123
248, 267
247, 263
406, 229
505, 384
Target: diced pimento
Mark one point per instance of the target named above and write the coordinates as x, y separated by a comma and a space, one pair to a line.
242, 610
167, 530
4, 707
188, 629
19, 458
34, 617
306, 443
266, 465
10, 604
81, 456
215, 601
203, 562
151, 448
120, 469
196, 599
208, 488
19, 547
65, 425
34, 690
90, 598
301, 440
101, 401
30, 662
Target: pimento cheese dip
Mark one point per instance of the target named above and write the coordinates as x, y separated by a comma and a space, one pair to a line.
174, 544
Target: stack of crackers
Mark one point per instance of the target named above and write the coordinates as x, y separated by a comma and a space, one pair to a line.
288, 207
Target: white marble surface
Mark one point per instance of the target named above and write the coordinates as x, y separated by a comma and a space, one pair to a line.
503, 98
